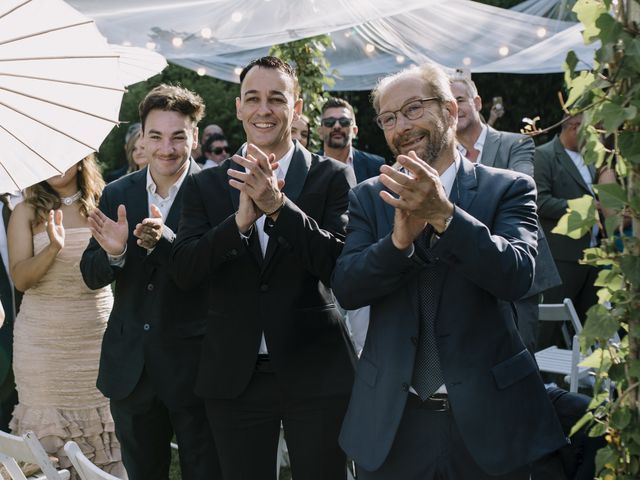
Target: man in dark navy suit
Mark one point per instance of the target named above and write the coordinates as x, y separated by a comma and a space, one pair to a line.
338, 129
436, 247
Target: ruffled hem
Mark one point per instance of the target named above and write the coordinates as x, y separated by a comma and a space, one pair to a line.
91, 428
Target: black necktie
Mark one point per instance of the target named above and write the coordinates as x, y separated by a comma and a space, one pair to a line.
6, 210
427, 374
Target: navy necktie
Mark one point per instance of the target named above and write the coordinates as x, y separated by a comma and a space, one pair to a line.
427, 374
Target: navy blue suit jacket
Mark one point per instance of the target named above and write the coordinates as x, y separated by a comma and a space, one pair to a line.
483, 259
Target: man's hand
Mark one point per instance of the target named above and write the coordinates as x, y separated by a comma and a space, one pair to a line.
111, 236
258, 180
247, 213
420, 192
149, 231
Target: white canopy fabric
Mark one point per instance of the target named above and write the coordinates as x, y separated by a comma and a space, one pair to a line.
372, 37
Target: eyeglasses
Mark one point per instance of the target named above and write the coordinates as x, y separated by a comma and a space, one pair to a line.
331, 121
411, 111
219, 150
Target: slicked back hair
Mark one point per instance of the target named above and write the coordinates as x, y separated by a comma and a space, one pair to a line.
335, 102
273, 63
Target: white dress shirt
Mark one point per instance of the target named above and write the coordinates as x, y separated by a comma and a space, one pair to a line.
479, 145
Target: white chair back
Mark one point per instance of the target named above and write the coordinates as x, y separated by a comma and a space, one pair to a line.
27, 448
86, 470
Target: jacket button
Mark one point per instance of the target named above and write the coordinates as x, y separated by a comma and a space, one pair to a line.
264, 288
233, 253
146, 327
405, 386
150, 287
414, 340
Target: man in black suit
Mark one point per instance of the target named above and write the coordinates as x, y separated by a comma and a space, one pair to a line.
263, 231
338, 129
149, 350
445, 387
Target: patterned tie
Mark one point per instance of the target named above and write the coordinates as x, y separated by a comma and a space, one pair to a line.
427, 374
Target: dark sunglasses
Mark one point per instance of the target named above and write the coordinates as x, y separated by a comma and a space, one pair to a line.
219, 150
331, 121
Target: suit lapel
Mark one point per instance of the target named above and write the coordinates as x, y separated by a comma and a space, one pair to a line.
173, 217
234, 193
137, 205
293, 185
568, 165
464, 189
359, 166
490, 147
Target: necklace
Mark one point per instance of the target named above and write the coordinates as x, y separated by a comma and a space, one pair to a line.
69, 200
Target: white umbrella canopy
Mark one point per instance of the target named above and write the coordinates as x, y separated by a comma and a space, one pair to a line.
60, 90
138, 64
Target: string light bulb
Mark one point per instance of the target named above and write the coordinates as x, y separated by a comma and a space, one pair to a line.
151, 45
466, 61
236, 17
177, 42
206, 32
541, 32
503, 51
201, 71
369, 48
400, 58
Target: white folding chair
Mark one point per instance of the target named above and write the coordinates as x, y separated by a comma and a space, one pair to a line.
27, 448
557, 360
86, 470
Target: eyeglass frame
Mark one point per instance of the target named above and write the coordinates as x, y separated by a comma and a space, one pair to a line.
395, 112
340, 120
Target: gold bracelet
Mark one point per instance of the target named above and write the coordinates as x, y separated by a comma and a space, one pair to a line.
277, 209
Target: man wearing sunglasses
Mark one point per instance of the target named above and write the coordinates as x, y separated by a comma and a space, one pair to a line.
338, 129
214, 151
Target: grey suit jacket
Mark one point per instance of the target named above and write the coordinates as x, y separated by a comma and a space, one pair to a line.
507, 150
483, 259
559, 180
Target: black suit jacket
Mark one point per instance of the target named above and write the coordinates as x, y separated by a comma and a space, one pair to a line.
153, 325
286, 294
484, 258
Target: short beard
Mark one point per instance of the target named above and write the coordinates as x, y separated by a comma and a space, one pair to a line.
337, 143
430, 148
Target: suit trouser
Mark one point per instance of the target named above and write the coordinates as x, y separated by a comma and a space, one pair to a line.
145, 426
577, 284
428, 446
246, 430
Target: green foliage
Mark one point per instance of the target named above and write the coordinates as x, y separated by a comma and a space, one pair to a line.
312, 68
609, 97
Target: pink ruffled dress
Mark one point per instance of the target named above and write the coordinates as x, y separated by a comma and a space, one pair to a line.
56, 352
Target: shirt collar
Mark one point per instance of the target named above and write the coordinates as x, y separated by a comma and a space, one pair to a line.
152, 188
478, 145
448, 177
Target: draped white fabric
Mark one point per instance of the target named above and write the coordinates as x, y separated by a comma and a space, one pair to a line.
372, 37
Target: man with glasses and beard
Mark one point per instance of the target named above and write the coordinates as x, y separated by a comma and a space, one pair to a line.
337, 130
436, 246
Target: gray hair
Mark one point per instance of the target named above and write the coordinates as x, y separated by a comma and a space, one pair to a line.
435, 80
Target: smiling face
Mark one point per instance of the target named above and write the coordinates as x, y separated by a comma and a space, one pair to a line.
337, 136
266, 108
468, 107
168, 139
428, 135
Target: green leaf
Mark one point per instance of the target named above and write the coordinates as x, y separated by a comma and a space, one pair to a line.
630, 266
629, 144
598, 430
598, 359
620, 418
601, 325
570, 64
588, 13
634, 369
606, 456
610, 29
579, 219
609, 279
586, 418
612, 224
579, 86
613, 115
611, 195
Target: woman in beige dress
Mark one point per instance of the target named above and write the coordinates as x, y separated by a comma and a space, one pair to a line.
58, 332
